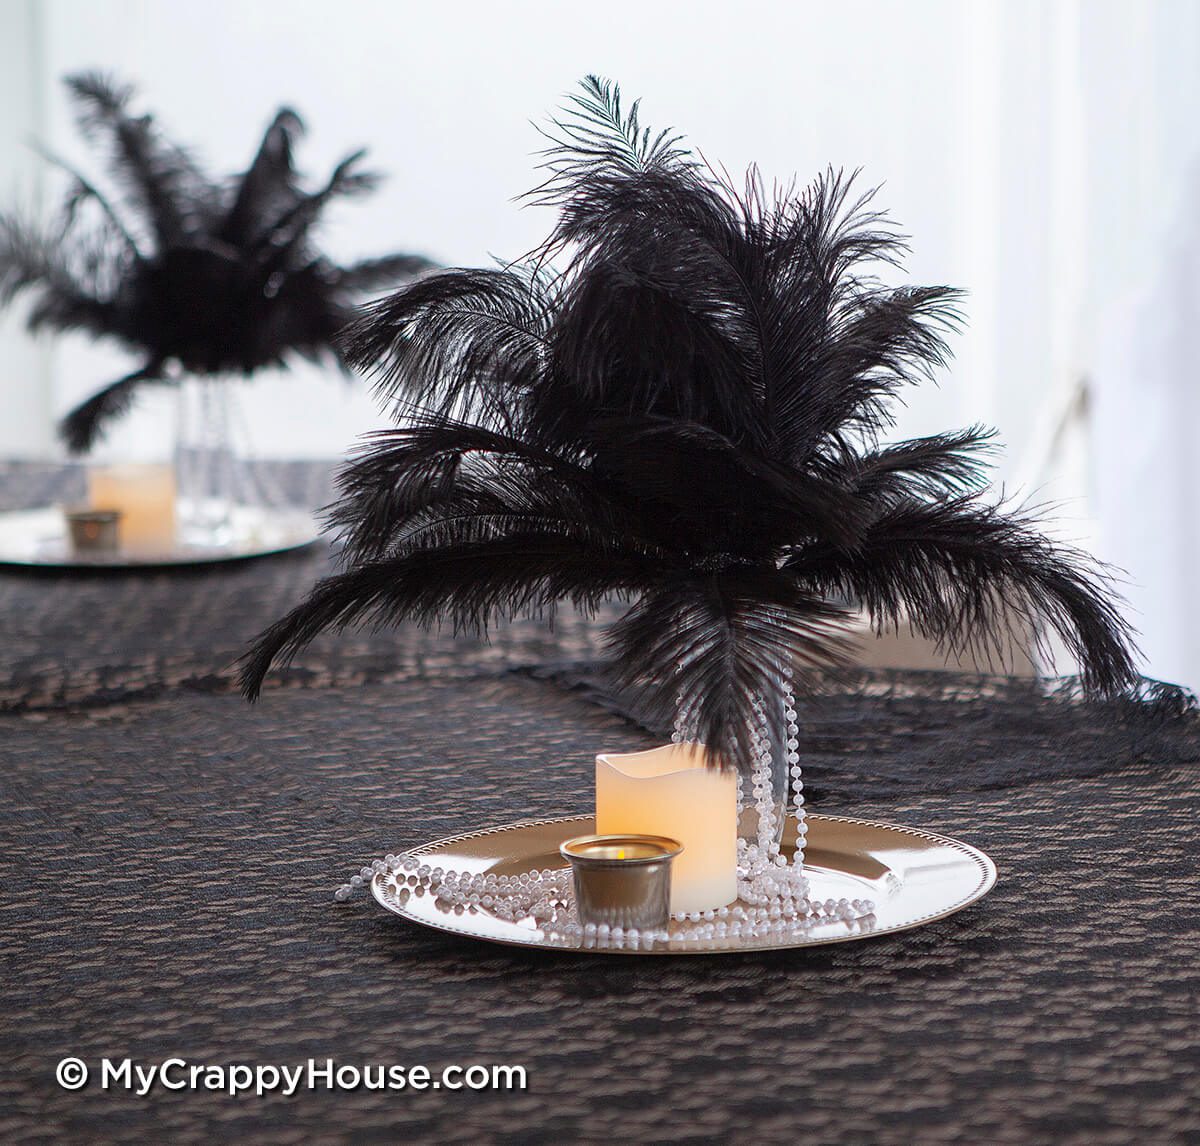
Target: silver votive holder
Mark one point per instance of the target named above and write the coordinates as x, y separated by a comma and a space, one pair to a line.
93, 530
622, 880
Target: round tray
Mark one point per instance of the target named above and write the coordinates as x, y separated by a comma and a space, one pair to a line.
913, 877
37, 539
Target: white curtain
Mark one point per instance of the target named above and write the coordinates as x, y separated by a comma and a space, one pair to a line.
1147, 458
1087, 250
1143, 298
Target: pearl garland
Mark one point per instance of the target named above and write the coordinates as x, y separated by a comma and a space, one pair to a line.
769, 907
766, 878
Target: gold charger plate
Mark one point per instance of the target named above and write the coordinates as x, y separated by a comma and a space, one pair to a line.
913, 876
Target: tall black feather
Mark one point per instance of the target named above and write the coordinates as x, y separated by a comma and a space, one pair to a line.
218, 276
688, 414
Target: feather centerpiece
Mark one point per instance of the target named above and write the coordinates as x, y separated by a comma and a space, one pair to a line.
688, 415
192, 273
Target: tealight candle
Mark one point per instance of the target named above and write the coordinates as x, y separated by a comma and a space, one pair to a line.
672, 792
93, 530
144, 495
622, 880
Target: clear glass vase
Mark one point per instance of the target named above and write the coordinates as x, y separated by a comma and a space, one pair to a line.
214, 462
771, 785
205, 461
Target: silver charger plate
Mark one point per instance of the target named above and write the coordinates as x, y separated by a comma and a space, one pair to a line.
914, 877
37, 538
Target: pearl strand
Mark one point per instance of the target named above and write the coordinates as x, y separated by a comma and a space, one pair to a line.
772, 905
797, 776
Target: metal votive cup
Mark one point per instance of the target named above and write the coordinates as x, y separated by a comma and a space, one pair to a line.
93, 530
622, 880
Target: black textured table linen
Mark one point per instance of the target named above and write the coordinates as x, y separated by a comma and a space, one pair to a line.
168, 856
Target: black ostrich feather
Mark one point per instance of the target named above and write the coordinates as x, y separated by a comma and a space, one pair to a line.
208, 276
688, 415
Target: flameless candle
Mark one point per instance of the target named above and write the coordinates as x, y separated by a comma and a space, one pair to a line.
144, 495
671, 792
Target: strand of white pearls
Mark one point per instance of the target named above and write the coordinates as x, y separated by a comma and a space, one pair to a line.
766, 877
796, 773
779, 909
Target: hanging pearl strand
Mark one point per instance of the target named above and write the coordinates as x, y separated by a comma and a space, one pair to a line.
796, 774
684, 727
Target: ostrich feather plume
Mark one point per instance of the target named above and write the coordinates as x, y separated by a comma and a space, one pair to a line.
689, 414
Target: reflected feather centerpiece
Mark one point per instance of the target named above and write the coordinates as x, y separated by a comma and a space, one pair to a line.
196, 275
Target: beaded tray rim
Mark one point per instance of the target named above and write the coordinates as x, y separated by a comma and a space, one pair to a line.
459, 925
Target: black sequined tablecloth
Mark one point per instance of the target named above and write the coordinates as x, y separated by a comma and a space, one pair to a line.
168, 856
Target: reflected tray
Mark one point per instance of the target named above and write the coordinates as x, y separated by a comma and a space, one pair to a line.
913, 876
37, 538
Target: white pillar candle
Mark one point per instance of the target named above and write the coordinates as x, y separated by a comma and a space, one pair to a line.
144, 495
671, 792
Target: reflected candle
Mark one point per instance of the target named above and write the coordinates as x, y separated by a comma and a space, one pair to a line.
144, 495
672, 792
93, 530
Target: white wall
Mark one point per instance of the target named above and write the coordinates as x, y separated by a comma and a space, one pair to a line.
25, 379
444, 96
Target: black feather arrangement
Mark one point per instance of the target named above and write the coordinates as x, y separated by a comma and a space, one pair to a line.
194, 274
688, 415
